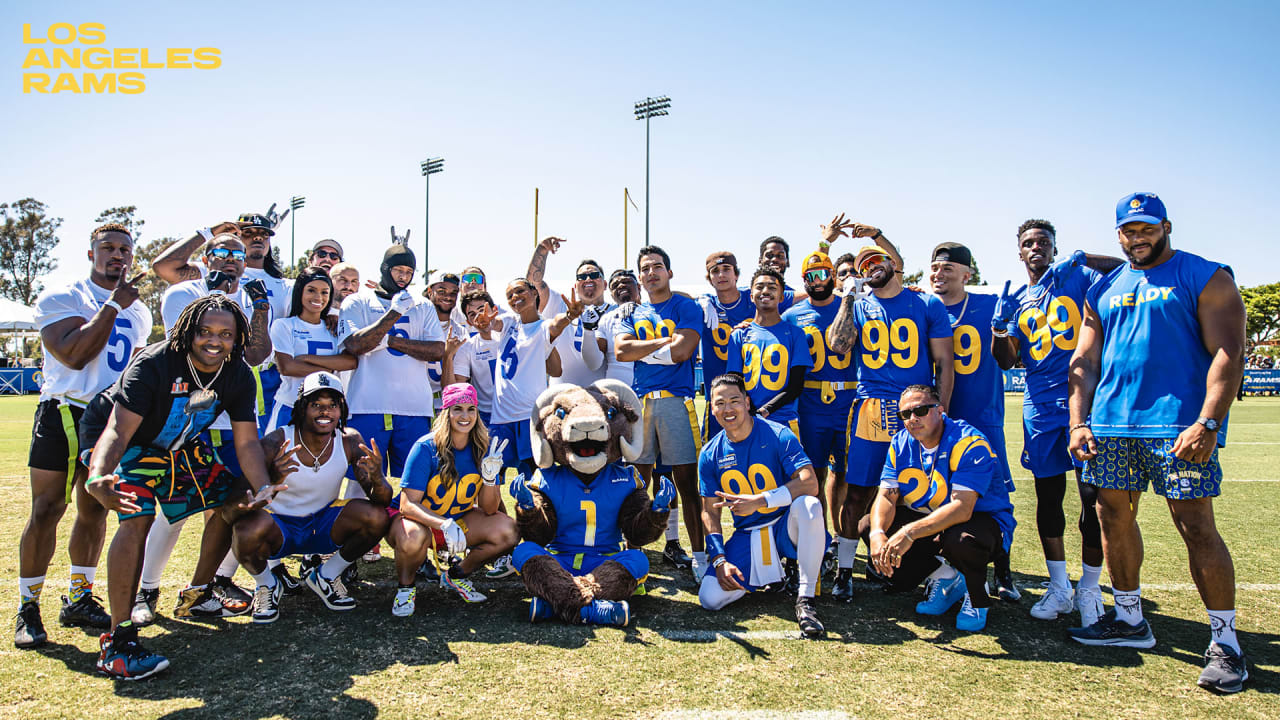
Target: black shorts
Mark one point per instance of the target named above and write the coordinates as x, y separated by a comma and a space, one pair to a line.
54, 438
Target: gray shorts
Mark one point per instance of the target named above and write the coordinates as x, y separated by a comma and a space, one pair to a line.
670, 432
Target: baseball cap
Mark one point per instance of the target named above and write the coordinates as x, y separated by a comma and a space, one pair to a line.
328, 242
622, 272
815, 260
448, 277
1140, 207
317, 381
257, 221
953, 252
721, 257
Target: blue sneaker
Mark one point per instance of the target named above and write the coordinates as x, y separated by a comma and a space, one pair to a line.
606, 612
122, 656
943, 595
970, 618
540, 610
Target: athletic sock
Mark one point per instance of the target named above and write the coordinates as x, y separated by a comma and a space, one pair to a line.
1128, 605
700, 557
1058, 579
161, 539
81, 582
944, 572
229, 566
1089, 575
1222, 628
273, 564
266, 577
334, 566
673, 528
846, 549
29, 589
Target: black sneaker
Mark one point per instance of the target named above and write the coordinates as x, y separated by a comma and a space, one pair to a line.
332, 592
231, 594
144, 606
285, 579
807, 617
202, 604
266, 603
427, 571
29, 631
675, 556
878, 578
842, 589
351, 575
85, 611
122, 656
1006, 588
791, 576
1116, 633
1224, 670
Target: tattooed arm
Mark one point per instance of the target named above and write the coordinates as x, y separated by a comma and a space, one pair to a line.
844, 329
259, 347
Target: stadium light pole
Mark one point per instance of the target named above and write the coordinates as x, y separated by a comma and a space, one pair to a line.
646, 109
295, 204
429, 167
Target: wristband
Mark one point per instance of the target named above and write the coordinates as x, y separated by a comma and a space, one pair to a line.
205, 233
999, 333
720, 560
906, 532
778, 497
113, 304
878, 531
661, 356
878, 235
1077, 426
715, 545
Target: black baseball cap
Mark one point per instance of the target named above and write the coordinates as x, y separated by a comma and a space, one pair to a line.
257, 221
953, 252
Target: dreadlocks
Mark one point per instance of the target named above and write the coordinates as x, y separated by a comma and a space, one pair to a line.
182, 335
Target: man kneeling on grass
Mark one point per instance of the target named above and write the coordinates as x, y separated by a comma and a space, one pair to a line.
939, 496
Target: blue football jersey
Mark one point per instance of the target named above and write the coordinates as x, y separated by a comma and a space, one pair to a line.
422, 473
892, 346
765, 460
1048, 330
978, 394
765, 356
650, 322
828, 366
715, 341
587, 515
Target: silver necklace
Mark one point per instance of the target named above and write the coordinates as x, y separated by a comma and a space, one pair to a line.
203, 397
963, 307
315, 457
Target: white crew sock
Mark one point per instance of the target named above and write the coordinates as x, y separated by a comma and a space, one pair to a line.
1222, 627
846, 549
81, 581
1089, 576
273, 564
944, 572
673, 526
1128, 605
266, 577
1058, 579
229, 565
160, 541
334, 566
29, 588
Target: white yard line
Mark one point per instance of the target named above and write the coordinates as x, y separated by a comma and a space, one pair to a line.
703, 714
746, 635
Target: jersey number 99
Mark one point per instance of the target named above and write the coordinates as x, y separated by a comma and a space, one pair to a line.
1060, 327
767, 366
899, 342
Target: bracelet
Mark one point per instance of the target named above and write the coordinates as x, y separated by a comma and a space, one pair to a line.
205, 233
718, 561
907, 532
113, 304
879, 235
878, 531
1077, 426
999, 333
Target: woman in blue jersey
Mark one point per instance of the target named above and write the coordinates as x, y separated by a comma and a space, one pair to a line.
449, 499
303, 344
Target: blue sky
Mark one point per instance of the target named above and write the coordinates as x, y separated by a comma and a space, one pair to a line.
934, 121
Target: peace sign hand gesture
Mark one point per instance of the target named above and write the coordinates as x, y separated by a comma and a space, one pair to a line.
284, 463
1006, 309
491, 464
260, 499
126, 289
370, 463
573, 306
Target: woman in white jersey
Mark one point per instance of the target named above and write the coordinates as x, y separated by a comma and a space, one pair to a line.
450, 499
303, 344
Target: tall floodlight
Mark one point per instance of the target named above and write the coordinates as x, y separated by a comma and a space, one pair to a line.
295, 204
430, 167
645, 109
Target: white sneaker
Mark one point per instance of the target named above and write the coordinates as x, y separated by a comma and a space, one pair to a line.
402, 606
1055, 602
463, 587
1089, 603
502, 567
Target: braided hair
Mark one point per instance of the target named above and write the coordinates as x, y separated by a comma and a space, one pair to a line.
182, 335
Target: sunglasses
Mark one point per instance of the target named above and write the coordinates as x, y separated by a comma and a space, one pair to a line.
475, 278
225, 253
817, 275
869, 261
590, 275
919, 411
327, 254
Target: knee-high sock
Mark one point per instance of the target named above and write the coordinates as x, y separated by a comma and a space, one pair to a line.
804, 526
161, 539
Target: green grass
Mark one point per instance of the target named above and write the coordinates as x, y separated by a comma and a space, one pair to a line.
474, 661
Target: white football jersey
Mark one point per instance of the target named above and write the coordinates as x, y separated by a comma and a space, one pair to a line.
436, 367
614, 368
388, 381
477, 360
179, 296
293, 336
573, 369
83, 299
521, 369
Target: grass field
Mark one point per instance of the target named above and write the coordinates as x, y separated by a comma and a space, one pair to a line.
677, 660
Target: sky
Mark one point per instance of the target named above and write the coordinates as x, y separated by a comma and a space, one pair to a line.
937, 122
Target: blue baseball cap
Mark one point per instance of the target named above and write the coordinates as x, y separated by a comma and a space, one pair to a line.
1140, 207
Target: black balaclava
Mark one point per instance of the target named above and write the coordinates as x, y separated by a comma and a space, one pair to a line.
395, 255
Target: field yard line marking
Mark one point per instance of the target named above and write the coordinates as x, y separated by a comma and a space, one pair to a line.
747, 635
1254, 443
1234, 480
1260, 587
704, 714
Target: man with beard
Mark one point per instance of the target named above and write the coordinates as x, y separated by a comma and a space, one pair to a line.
902, 338
625, 290
826, 399
443, 294
978, 395
325, 254
346, 281
1160, 357
89, 331
1039, 325
723, 309
148, 457
395, 338
582, 359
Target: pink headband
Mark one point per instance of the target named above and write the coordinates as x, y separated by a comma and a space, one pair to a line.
458, 393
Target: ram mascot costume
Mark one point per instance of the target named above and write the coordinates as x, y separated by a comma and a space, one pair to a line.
585, 505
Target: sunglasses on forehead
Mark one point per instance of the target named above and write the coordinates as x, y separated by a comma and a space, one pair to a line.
590, 275
472, 277
919, 411
817, 275
224, 253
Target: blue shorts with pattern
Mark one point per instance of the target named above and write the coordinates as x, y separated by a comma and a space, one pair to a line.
1131, 464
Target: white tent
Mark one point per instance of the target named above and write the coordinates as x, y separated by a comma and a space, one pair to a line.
16, 316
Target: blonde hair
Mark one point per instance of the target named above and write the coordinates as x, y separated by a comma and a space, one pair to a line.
343, 267
440, 434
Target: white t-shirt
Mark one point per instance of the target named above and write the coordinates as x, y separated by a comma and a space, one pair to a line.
179, 296
293, 336
310, 490
83, 299
521, 368
614, 368
477, 360
435, 368
279, 290
569, 344
388, 381
457, 316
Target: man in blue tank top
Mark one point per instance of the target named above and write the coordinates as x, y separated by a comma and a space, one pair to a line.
1160, 357
977, 397
1038, 325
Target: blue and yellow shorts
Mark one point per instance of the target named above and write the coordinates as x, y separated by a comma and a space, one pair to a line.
1131, 464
